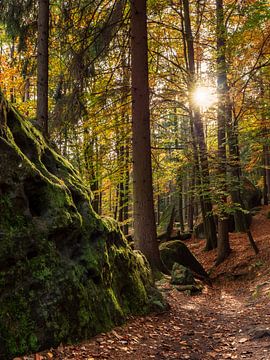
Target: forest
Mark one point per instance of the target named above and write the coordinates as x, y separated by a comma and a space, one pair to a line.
134, 179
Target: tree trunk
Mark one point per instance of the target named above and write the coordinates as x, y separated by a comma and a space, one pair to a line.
202, 167
180, 203
12, 90
266, 148
123, 188
266, 158
42, 65
145, 236
223, 112
235, 169
91, 160
192, 180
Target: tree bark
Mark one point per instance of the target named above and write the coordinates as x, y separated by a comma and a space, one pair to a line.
223, 113
266, 157
180, 202
145, 236
42, 65
192, 180
196, 122
91, 165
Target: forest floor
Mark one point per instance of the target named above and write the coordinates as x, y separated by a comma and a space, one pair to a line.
230, 320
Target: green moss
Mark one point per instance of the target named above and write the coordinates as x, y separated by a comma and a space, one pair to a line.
65, 273
17, 327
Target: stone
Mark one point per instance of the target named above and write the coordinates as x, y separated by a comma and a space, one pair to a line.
181, 275
177, 252
65, 273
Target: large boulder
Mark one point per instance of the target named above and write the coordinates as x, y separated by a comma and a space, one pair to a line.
176, 251
65, 274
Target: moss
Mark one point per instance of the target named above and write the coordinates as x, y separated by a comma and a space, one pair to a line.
17, 327
65, 273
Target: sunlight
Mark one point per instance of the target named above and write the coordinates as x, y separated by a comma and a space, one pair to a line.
204, 96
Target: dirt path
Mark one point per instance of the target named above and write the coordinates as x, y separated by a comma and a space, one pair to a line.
229, 321
213, 325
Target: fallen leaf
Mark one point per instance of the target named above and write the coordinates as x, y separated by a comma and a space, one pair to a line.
243, 340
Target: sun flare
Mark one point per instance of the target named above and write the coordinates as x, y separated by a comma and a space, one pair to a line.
204, 96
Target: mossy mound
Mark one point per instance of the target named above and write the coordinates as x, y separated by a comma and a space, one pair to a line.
65, 274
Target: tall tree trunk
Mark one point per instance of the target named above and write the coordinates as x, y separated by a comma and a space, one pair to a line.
180, 202
123, 148
12, 90
203, 167
124, 199
235, 170
123, 187
266, 147
192, 180
145, 236
42, 65
265, 190
222, 116
91, 165
266, 157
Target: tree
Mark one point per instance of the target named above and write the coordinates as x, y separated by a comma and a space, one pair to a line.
145, 236
223, 114
200, 148
43, 65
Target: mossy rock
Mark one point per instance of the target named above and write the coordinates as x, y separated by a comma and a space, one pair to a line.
177, 252
181, 275
65, 273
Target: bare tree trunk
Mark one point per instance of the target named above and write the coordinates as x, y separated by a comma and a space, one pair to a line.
265, 190
145, 236
91, 160
124, 206
223, 112
42, 65
12, 90
266, 157
196, 123
191, 200
123, 188
180, 202
266, 147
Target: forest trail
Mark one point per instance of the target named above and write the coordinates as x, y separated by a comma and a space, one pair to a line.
231, 320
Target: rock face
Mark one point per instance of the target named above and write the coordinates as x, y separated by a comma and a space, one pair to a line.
65, 274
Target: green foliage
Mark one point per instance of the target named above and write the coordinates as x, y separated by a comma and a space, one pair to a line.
257, 13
